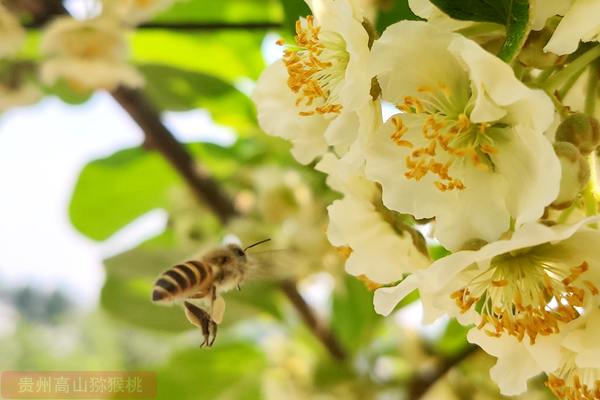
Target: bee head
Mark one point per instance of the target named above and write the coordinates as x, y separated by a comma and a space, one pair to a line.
237, 252
228, 257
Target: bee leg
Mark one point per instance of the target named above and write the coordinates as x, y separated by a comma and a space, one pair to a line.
213, 297
212, 332
202, 319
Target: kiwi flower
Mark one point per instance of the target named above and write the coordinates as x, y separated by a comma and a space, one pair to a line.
89, 54
381, 250
519, 293
467, 145
314, 97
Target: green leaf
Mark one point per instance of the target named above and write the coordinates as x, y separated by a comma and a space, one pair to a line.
354, 320
518, 25
177, 90
224, 162
113, 191
231, 371
393, 11
515, 15
223, 11
475, 10
229, 55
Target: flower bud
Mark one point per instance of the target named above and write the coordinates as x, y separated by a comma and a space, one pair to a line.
533, 54
580, 130
575, 174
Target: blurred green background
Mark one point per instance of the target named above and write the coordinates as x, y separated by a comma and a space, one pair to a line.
92, 213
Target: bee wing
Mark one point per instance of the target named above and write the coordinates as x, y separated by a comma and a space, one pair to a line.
274, 264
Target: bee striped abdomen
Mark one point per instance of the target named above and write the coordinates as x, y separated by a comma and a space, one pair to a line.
182, 281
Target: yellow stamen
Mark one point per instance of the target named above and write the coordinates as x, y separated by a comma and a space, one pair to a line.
516, 301
305, 65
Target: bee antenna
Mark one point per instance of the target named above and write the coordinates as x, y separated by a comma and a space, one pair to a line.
257, 243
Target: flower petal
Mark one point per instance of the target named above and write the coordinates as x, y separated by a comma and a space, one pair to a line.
579, 23
410, 55
386, 299
515, 366
278, 115
497, 88
528, 162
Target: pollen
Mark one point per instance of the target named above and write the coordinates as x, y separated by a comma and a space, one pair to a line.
316, 65
448, 138
525, 298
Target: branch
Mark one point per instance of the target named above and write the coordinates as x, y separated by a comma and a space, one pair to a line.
421, 385
207, 190
318, 329
191, 26
160, 138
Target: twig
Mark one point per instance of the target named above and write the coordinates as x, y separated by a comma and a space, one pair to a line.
192, 26
209, 26
160, 138
207, 190
318, 329
38, 12
421, 385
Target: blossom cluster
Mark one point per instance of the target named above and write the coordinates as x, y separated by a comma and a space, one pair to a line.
433, 139
86, 54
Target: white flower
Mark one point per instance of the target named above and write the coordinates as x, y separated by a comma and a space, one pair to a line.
580, 23
11, 32
312, 96
90, 54
467, 147
381, 250
522, 294
524, 287
134, 12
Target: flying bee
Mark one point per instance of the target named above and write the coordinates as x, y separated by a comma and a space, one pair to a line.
199, 283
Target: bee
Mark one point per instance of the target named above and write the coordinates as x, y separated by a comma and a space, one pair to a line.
199, 283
